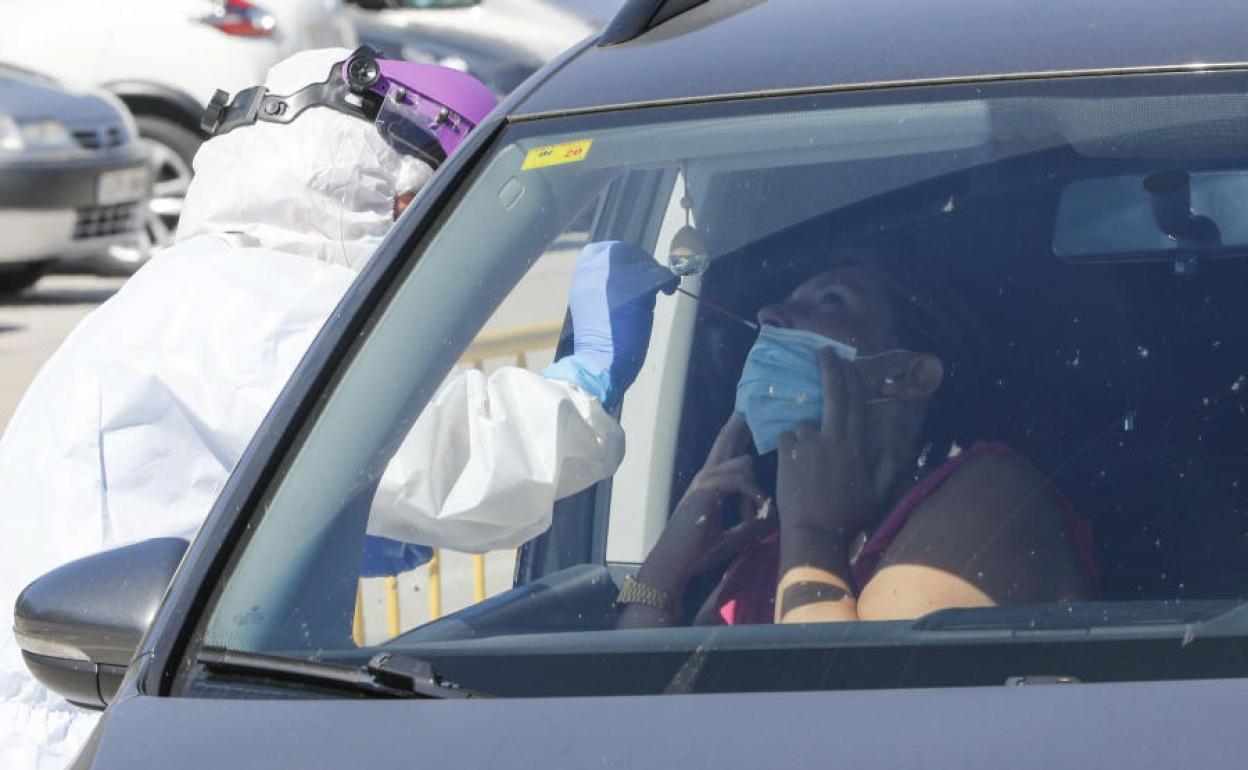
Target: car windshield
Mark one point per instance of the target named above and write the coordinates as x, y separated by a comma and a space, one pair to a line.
942, 385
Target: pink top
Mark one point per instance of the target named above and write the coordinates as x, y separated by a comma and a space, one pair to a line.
747, 591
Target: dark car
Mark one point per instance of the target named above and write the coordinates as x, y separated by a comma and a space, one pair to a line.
1048, 198
72, 175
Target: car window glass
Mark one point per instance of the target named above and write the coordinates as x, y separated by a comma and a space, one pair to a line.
1039, 387
523, 332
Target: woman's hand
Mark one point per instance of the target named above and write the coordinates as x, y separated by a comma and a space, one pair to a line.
827, 491
825, 483
695, 539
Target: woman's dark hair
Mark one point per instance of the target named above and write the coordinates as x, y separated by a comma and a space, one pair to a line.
932, 316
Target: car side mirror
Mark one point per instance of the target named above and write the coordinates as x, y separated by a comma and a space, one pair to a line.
80, 625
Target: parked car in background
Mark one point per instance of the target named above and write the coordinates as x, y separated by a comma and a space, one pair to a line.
598, 12
74, 178
164, 59
500, 42
501, 66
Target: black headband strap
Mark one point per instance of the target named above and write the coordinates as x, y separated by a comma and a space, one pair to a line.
257, 104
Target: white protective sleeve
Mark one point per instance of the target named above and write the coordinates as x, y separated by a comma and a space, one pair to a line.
484, 463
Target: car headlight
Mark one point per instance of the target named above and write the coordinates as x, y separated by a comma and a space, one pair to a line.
45, 134
10, 135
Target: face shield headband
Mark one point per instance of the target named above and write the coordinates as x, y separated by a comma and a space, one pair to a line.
421, 110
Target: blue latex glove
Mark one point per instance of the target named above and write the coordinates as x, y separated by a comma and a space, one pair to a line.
612, 306
384, 557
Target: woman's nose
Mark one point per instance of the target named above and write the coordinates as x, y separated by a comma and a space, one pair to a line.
776, 315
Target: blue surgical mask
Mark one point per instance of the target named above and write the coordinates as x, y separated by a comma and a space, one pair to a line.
781, 384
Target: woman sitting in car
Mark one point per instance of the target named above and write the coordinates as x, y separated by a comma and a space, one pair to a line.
881, 515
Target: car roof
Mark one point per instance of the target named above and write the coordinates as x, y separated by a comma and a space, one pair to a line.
727, 47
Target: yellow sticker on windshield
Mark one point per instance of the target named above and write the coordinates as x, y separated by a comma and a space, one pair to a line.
557, 154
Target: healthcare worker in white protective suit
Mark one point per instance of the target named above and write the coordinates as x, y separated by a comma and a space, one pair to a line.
131, 429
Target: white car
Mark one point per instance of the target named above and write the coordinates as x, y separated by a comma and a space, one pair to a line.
164, 59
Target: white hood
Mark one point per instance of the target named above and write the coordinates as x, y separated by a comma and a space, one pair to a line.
321, 186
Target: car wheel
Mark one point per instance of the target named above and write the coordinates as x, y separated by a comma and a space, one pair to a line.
172, 147
15, 278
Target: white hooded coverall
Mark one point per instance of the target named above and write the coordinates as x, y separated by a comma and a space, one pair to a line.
132, 427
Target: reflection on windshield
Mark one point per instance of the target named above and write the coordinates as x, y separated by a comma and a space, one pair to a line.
989, 383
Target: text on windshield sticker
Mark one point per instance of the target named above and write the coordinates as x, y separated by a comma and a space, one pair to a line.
557, 154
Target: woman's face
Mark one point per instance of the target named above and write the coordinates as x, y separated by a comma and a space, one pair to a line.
849, 304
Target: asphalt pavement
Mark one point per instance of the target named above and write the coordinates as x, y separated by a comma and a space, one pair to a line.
33, 324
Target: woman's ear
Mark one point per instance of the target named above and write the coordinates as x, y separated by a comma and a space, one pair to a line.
918, 379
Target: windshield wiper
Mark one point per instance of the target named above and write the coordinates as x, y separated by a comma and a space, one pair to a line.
386, 675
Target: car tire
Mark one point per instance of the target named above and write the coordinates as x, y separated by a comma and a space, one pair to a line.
19, 277
173, 146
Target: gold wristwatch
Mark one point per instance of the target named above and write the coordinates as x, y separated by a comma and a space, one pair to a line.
636, 592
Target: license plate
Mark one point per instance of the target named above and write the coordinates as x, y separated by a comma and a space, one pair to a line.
122, 186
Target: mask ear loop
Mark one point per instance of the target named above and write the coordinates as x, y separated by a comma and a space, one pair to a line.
888, 352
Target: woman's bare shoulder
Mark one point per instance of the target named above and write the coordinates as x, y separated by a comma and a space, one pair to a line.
992, 533
996, 470
994, 489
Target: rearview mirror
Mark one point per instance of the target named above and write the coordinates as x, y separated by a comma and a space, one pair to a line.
1153, 216
79, 625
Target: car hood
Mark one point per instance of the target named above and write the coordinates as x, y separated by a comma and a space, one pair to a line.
28, 95
1170, 724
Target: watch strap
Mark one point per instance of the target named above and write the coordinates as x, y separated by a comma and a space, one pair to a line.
634, 591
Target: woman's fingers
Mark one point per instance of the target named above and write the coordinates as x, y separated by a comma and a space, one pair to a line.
786, 443
738, 464
733, 440
806, 430
749, 531
831, 370
855, 402
732, 477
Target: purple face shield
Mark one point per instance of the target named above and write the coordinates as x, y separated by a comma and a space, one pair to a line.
421, 110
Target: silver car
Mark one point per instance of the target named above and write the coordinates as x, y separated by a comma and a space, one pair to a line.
72, 176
